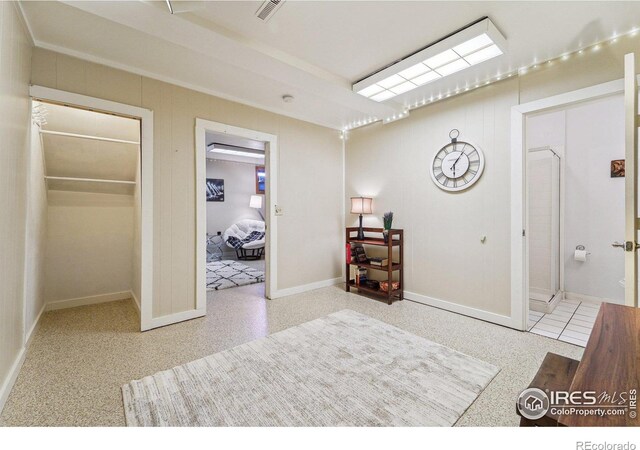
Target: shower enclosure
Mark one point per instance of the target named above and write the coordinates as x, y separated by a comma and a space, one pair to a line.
543, 217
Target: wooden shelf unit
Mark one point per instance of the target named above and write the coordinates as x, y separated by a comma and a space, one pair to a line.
396, 239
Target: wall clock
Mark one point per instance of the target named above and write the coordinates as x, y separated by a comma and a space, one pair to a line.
457, 165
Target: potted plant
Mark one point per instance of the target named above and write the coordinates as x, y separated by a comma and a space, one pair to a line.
387, 219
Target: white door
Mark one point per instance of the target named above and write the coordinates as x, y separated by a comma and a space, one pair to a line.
631, 180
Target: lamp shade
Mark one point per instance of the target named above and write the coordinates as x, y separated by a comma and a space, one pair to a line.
256, 201
361, 205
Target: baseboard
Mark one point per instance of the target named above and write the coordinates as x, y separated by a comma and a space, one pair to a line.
5, 390
498, 319
306, 287
591, 299
91, 300
135, 302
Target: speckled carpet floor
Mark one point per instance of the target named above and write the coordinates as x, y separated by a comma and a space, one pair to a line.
344, 369
79, 358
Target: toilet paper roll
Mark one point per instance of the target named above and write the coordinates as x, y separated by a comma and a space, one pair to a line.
580, 255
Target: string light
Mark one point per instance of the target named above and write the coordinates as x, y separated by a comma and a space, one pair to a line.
520, 71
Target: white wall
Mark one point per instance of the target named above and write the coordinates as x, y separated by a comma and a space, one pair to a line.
35, 231
89, 245
239, 186
445, 258
594, 200
303, 149
593, 135
15, 66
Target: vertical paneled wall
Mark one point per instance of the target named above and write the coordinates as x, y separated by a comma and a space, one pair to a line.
15, 61
445, 257
312, 205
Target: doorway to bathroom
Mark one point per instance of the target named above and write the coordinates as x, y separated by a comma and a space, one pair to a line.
575, 212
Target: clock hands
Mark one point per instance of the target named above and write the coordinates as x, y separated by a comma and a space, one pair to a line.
459, 156
453, 167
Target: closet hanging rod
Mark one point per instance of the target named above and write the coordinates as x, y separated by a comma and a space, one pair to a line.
92, 180
86, 136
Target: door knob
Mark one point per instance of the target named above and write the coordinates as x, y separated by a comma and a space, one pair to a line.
617, 244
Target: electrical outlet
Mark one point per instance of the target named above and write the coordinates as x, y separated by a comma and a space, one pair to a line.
278, 210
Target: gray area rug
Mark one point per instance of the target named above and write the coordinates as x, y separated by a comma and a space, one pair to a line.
345, 369
227, 274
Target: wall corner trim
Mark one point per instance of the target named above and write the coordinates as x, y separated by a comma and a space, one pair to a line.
136, 302
305, 288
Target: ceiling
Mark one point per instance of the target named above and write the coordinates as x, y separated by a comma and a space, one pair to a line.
313, 50
75, 157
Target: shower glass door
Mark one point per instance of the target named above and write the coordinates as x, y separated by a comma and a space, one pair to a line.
543, 167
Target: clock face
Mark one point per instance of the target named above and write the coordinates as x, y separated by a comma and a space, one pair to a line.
456, 166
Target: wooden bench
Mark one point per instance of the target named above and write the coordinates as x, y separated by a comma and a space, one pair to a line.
555, 374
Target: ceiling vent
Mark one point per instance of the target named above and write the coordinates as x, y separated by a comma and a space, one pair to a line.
268, 9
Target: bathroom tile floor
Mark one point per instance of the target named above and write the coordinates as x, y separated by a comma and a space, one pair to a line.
571, 321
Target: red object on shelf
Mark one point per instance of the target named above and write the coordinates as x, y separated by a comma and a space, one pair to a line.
348, 247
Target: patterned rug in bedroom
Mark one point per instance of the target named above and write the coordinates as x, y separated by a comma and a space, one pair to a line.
227, 274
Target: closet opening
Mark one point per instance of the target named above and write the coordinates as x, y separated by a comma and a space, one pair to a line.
91, 169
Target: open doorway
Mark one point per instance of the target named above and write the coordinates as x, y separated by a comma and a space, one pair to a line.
236, 235
575, 215
236, 172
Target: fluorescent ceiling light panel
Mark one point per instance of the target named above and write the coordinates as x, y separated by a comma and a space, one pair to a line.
228, 149
483, 55
371, 90
392, 81
467, 47
473, 45
453, 67
382, 96
404, 87
441, 59
426, 78
236, 153
414, 71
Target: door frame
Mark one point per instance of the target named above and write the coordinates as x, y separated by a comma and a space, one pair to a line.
146, 183
271, 195
519, 237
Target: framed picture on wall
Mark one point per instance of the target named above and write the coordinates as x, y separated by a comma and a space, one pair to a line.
260, 179
215, 190
617, 168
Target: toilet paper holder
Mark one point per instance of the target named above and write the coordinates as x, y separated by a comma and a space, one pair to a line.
582, 247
